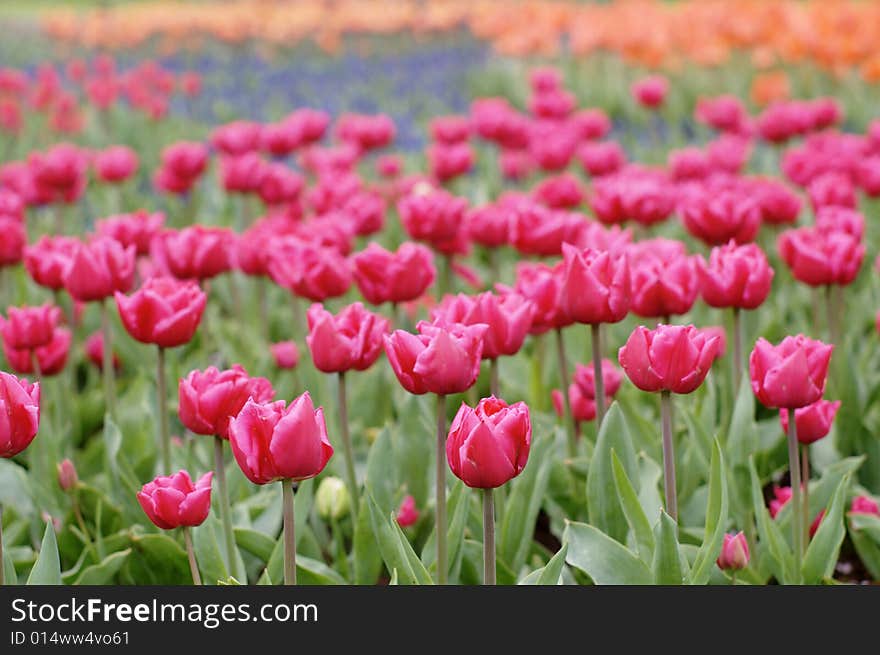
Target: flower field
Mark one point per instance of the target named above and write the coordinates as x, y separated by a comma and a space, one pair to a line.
438, 292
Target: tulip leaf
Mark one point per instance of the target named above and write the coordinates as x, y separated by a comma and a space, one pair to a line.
47, 568
667, 556
868, 524
378, 483
15, 488
458, 508
156, 559
824, 548
524, 501
209, 548
740, 442
9, 576
105, 571
602, 503
313, 572
716, 519
605, 560
367, 559
639, 526
256, 543
770, 532
549, 574
397, 553
868, 548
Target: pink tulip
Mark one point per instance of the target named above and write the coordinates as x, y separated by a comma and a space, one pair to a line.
19, 414
735, 276
350, 340
98, 269
285, 354
507, 316
195, 252
401, 276
813, 421
673, 358
664, 278
26, 328
407, 514
174, 501
790, 375
164, 311
595, 286
734, 553
210, 399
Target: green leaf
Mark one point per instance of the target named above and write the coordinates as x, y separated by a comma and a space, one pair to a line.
397, 553
667, 557
549, 574
256, 543
605, 560
742, 435
716, 519
15, 488
367, 559
524, 502
824, 548
104, 572
632, 510
458, 505
868, 524
207, 539
781, 555
156, 559
868, 550
47, 569
9, 576
602, 504
313, 572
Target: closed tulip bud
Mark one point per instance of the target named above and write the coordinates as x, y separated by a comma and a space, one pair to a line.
508, 317
350, 340
734, 553
407, 514
99, 269
26, 328
164, 311
135, 229
664, 278
441, 359
673, 358
47, 260
116, 164
67, 477
819, 257
51, 358
864, 505
332, 499
19, 414
790, 375
585, 377
735, 276
94, 348
272, 441
174, 501
489, 445
813, 421
210, 399
595, 286
716, 217
285, 354
401, 276
582, 407
195, 252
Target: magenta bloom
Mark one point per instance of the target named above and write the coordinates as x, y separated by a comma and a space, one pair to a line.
174, 501
813, 421
508, 316
790, 375
210, 399
350, 340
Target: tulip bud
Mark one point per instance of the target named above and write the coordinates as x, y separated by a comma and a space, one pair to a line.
407, 514
174, 501
789, 375
332, 499
813, 421
67, 477
734, 553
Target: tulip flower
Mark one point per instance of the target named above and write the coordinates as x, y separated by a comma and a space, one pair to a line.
285, 354
582, 392
208, 401
116, 164
407, 514
442, 359
13, 239
601, 158
734, 554
669, 359
19, 422
47, 260
175, 502
508, 318
276, 442
664, 278
791, 376
781, 495
397, 277
67, 476
195, 252
738, 277
488, 446
718, 216
650, 91
94, 349
813, 421
28, 328
135, 229
44, 361
309, 270
351, 340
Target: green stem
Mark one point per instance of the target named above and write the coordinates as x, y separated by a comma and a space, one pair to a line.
165, 431
668, 456
831, 306
598, 379
440, 491
805, 474
493, 377
347, 449
494, 268
488, 538
107, 360
796, 513
569, 414
444, 280
77, 513
289, 533
737, 348
226, 506
191, 556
